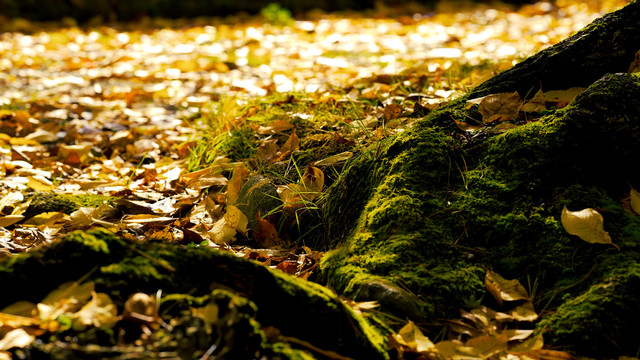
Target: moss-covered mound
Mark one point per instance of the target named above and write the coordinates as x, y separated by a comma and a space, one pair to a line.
436, 206
121, 268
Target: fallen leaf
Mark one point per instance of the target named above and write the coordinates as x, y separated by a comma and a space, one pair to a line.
587, 224
533, 343
236, 219
500, 107
635, 200
292, 143
466, 127
313, 179
48, 219
267, 235
411, 336
17, 338
238, 178
40, 183
267, 150
504, 290
392, 111
10, 220
337, 159
221, 233
635, 65
141, 308
561, 98
545, 354
67, 298
524, 312
274, 127
100, 312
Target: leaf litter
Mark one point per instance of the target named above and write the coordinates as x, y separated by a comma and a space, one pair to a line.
168, 124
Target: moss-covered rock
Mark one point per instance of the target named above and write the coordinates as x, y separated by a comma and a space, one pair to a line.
120, 268
433, 207
42, 202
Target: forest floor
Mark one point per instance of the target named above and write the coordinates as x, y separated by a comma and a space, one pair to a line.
150, 130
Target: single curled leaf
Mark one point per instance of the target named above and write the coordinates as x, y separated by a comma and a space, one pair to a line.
587, 224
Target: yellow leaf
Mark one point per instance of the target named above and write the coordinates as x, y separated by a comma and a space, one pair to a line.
17, 338
221, 233
236, 219
337, 159
533, 343
487, 346
210, 313
100, 311
635, 201
48, 219
587, 224
10, 220
504, 290
500, 107
313, 179
40, 183
68, 297
274, 127
560, 98
238, 178
411, 336
524, 312
16, 321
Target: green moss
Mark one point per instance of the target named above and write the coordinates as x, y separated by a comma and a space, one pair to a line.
433, 212
47, 202
602, 320
259, 295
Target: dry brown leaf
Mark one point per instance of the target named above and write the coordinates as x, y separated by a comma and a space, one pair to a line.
587, 224
392, 111
504, 290
267, 150
292, 143
500, 107
267, 235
